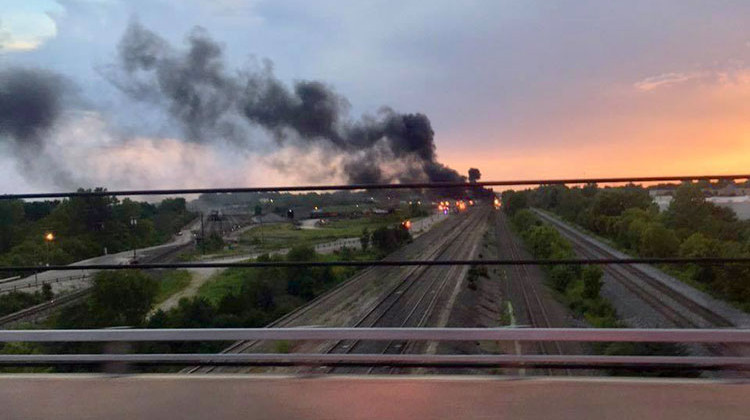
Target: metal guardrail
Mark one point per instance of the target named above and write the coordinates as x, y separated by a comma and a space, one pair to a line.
411, 334
38, 283
388, 360
389, 263
392, 360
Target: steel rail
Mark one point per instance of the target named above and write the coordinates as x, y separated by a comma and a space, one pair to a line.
397, 360
527, 287
263, 264
413, 185
430, 294
676, 335
433, 249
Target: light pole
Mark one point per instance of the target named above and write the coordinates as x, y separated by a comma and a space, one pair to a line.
48, 238
203, 236
133, 225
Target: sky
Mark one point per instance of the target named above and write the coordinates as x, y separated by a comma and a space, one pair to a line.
517, 88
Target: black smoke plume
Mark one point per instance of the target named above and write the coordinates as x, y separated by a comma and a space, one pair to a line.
31, 102
209, 102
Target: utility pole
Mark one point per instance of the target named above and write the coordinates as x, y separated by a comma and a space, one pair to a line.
261, 227
203, 236
133, 224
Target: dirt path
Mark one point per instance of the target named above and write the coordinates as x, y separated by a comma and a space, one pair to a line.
198, 276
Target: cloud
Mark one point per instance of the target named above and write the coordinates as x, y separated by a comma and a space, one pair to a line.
26, 26
664, 80
735, 74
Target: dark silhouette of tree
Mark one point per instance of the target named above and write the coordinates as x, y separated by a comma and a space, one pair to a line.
474, 175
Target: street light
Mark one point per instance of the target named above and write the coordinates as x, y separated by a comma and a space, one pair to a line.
48, 238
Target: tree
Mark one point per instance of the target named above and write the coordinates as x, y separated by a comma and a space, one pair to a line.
688, 209
592, 281
122, 298
214, 242
388, 239
11, 216
524, 220
614, 201
474, 175
659, 242
698, 245
514, 201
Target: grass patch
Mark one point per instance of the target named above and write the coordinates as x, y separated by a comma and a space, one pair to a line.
224, 283
284, 235
171, 283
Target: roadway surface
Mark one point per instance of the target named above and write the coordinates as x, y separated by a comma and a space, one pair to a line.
75, 279
335, 397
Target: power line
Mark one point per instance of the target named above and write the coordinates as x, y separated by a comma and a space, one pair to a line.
419, 185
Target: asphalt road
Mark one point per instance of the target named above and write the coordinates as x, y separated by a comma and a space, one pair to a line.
67, 280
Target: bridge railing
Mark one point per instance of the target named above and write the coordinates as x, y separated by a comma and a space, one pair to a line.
698, 336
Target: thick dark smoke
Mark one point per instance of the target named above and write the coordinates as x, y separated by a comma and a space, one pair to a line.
209, 103
31, 102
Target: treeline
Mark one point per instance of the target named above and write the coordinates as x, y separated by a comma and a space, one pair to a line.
83, 227
580, 289
690, 227
579, 285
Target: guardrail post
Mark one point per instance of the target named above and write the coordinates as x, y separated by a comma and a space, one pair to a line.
117, 347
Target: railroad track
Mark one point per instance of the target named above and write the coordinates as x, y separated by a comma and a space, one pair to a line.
420, 293
33, 311
535, 310
677, 308
66, 299
654, 294
435, 242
